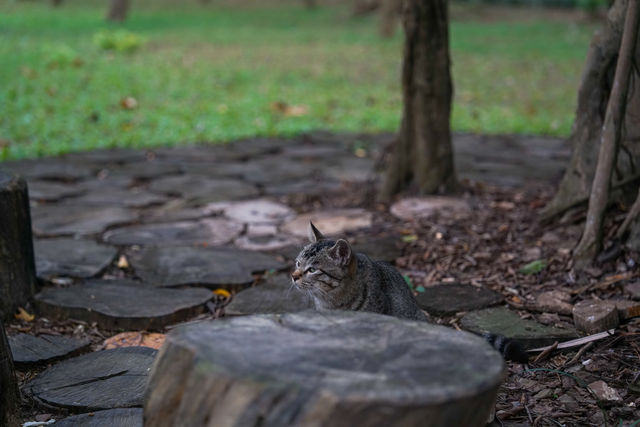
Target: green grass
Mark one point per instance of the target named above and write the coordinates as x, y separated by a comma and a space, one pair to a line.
213, 73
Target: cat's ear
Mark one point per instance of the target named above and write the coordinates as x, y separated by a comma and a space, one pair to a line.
314, 234
341, 252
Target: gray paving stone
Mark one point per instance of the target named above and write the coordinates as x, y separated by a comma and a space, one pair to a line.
99, 380
80, 258
69, 220
52, 191
505, 322
210, 231
449, 299
276, 295
212, 267
122, 304
30, 349
202, 190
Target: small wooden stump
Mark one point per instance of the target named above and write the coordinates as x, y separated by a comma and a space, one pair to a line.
17, 269
120, 417
28, 349
102, 380
321, 369
8, 385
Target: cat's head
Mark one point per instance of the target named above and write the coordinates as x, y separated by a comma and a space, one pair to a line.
323, 264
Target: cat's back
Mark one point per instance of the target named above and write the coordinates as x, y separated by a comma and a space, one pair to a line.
393, 285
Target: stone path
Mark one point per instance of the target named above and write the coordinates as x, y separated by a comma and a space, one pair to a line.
178, 220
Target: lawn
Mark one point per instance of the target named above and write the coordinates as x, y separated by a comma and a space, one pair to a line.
220, 72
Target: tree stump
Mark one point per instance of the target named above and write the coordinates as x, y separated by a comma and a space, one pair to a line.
8, 385
322, 369
17, 269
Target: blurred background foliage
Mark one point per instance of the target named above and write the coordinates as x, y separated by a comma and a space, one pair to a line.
180, 71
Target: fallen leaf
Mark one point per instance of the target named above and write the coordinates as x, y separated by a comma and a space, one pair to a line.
533, 267
409, 238
134, 339
122, 262
289, 110
128, 103
222, 292
23, 315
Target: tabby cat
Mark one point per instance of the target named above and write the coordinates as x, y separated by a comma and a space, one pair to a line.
336, 278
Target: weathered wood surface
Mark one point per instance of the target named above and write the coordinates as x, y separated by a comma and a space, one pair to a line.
102, 380
322, 369
8, 385
17, 268
120, 417
28, 349
122, 304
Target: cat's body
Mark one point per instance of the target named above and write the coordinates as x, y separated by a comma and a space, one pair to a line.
336, 278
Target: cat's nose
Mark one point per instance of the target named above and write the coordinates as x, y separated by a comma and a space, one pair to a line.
296, 274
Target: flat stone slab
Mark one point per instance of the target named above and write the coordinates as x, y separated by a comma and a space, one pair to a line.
330, 368
202, 189
331, 222
101, 380
213, 267
49, 169
446, 300
505, 322
268, 242
120, 417
212, 231
29, 349
146, 169
71, 257
52, 191
276, 295
424, 207
259, 211
308, 187
64, 220
135, 198
119, 304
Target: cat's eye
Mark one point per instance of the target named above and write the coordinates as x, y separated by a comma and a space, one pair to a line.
311, 270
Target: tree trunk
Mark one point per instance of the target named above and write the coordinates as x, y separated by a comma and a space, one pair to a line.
56, 3
593, 96
118, 10
423, 158
389, 14
17, 266
591, 242
8, 386
310, 4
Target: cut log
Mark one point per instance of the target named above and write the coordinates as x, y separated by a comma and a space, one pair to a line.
121, 417
17, 269
8, 385
122, 304
320, 369
28, 349
102, 380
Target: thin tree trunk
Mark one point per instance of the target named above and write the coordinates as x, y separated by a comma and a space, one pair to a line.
423, 157
593, 95
118, 10
591, 242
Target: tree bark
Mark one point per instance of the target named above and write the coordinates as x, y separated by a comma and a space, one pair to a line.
591, 242
423, 157
17, 265
118, 10
8, 385
593, 96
